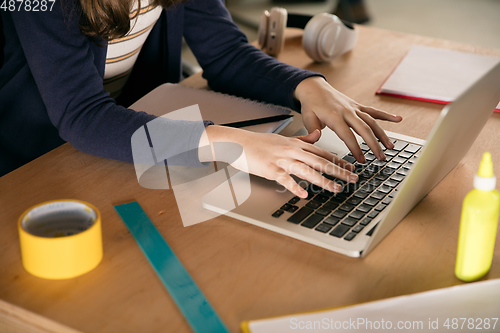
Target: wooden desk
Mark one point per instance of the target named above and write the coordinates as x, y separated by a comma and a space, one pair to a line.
246, 272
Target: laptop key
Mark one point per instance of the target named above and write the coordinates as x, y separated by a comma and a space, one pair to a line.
294, 200
278, 213
381, 176
350, 236
391, 152
312, 221
349, 158
339, 214
403, 171
361, 195
405, 154
367, 188
321, 198
379, 163
384, 189
357, 214
289, 208
364, 147
324, 212
353, 201
399, 160
387, 200
326, 193
371, 201
373, 214
378, 195
393, 165
313, 204
346, 207
375, 182
391, 183
300, 215
331, 220
412, 148
339, 230
337, 199
370, 157
349, 221
365, 221
323, 228
380, 207
400, 145
397, 177
357, 228
330, 205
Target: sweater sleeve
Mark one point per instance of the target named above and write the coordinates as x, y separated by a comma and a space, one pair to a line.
62, 62
232, 65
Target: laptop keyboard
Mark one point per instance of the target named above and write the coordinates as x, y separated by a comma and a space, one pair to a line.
345, 214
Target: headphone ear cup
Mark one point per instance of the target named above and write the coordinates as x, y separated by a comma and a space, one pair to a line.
262, 33
275, 37
326, 37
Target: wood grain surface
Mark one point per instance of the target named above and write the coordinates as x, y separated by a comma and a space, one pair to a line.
245, 272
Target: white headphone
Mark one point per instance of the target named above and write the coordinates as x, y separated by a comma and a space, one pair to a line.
325, 35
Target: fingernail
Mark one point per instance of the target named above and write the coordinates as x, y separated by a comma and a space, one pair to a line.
303, 194
381, 156
336, 188
390, 144
353, 178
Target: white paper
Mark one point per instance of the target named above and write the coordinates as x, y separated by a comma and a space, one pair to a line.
437, 74
424, 312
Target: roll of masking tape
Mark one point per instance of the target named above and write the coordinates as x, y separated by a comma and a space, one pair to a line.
60, 239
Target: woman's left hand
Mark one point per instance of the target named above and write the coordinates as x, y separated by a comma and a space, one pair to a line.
322, 105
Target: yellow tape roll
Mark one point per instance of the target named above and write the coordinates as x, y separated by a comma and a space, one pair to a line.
60, 239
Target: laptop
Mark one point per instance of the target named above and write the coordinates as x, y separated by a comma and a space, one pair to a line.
354, 221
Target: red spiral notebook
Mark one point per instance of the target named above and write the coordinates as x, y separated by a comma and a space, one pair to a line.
436, 75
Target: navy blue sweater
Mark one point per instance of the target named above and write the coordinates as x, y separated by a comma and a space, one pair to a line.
51, 80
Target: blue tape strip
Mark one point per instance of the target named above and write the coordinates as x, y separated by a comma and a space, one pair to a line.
186, 294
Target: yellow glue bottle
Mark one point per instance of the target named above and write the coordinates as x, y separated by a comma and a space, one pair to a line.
478, 225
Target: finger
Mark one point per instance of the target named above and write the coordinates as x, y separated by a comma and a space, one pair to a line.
291, 185
306, 172
379, 132
379, 114
365, 131
339, 126
311, 122
320, 164
327, 156
311, 137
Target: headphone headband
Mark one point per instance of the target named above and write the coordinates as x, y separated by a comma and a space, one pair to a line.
300, 21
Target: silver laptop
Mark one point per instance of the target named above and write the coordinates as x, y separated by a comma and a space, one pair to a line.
356, 220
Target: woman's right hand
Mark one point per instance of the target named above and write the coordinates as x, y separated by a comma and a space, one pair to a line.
276, 157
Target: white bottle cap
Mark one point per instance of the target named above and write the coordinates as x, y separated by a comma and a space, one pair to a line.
485, 183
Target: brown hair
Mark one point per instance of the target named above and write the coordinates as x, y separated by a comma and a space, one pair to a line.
109, 19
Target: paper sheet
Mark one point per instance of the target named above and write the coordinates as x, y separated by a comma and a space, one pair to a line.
436, 75
474, 305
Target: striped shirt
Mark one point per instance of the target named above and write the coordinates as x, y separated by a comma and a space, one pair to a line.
123, 52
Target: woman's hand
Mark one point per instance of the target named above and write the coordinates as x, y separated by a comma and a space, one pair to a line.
322, 105
276, 157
